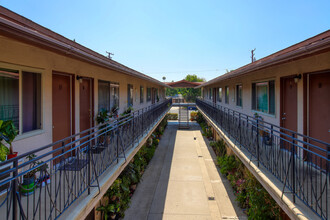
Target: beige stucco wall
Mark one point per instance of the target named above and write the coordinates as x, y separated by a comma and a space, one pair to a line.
24, 57
311, 64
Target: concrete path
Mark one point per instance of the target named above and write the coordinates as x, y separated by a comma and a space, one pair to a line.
182, 182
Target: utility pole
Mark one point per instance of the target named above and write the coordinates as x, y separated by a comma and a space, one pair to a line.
109, 55
253, 58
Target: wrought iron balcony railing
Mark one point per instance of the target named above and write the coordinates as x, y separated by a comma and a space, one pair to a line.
300, 162
64, 171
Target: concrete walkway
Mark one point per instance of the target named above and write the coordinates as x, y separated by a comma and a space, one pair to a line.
182, 182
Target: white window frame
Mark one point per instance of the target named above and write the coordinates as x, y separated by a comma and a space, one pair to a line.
21, 69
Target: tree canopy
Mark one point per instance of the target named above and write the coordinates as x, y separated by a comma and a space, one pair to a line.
194, 78
189, 94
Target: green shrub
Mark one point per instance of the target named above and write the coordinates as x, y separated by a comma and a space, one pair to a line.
249, 192
199, 118
172, 116
227, 164
193, 116
219, 147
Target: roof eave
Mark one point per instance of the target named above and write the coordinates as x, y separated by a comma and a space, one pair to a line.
293, 55
21, 32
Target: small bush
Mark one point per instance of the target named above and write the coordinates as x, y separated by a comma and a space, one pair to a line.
249, 192
193, 116
172, 116
199, 118
219, 147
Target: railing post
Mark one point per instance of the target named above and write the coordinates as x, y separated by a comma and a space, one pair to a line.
326, 180
293, 174
239, 129
133, 131
117, 142
14, 189
89, 154
258, 141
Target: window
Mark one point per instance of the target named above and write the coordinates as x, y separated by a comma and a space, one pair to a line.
9, 96
31, 99
114, 95
211, 95
104, 95
220, 94
227, 94
129, 95
263, 97
148, 94
239, 95
108, 95
141, 94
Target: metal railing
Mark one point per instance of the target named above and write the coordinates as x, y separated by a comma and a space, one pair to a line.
300, 162
65, 171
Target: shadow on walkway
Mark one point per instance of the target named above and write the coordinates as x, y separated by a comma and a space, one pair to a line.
182, 182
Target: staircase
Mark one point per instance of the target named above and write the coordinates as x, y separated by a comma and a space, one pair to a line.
183, 116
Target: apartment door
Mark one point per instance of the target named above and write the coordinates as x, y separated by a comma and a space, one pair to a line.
288, 114
153, 95
86, 104
62, 112
214, 95
319, 109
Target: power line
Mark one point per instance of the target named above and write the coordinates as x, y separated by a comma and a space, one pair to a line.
185, 71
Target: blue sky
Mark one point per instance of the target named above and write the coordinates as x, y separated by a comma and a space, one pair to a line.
173, 38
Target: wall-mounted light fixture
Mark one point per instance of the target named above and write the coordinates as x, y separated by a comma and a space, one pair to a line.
297, 78
79, 78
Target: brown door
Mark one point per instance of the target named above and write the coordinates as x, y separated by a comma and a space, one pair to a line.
61, 107
214, 95
319, 109
288, 107
86, 104
153, 95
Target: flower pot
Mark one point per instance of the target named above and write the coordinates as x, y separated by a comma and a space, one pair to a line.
28, 185
113, 216
9, 156
43, 181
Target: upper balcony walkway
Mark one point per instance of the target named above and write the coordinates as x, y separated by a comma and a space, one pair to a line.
182, 181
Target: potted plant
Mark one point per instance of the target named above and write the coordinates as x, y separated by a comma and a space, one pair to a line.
114, 112
29, 179
8, 132
103, 116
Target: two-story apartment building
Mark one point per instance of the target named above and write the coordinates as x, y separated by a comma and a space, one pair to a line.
274, 115
53, 87
290, 88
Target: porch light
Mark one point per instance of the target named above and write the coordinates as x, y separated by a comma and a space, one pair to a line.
79, 78
297, 78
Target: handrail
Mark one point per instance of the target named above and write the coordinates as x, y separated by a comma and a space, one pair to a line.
117, 120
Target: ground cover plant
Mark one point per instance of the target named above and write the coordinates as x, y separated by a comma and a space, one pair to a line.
118, 196
250, 194
172, 116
